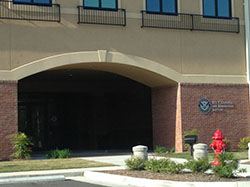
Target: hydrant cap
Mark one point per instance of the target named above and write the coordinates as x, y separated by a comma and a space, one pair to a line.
218, 135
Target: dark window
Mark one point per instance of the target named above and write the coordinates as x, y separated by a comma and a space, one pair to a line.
217, 8
42, 2
162, 6
100, 4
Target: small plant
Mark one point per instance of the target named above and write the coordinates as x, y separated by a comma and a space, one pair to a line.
172, 167
163, 165
198, 166
162, 149
54, 154
135, 163
229, 166
22, 145
243, 144
155, 165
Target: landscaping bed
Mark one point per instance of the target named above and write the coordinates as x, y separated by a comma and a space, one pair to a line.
185, 177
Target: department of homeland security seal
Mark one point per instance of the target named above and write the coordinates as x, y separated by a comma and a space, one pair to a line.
204, 106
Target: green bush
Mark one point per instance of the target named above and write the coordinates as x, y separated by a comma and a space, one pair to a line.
229, 166
243, 144
22, 145
155, 165
162, 149
54, 154
198, 166
163, 165
135, 163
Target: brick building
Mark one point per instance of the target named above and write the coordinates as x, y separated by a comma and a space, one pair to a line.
110, 74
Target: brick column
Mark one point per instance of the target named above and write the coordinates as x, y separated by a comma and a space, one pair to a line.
166, 117
8, 116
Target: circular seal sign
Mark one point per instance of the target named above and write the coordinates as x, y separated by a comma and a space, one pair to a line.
204, 106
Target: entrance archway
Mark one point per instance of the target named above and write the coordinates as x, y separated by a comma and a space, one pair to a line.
84, 110
136, 78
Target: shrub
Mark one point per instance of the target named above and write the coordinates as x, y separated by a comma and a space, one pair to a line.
198, 166
155, 165
135, 163
22, 145
64, 153
163, 165
172, 167
162, 149
229, 166
243, 144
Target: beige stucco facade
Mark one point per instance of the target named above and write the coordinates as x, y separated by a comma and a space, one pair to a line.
28, 47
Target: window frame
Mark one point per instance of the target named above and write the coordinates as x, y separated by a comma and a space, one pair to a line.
33, 3
216, 10
161, 8
100, 6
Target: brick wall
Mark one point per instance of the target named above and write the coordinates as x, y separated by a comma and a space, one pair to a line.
233, 122
164, 116
8, 116
175, 110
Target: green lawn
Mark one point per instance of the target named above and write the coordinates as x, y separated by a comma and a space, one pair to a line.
49, 164
239, 155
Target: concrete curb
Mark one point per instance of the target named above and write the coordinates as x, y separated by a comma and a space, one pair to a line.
159, 183
32, 179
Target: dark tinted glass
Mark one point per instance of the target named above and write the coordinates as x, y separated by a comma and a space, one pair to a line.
109, 4
224, 8
209, 8
153, 5
169, 6
91, 3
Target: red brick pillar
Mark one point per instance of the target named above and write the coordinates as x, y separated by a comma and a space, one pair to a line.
166, 114
8, 116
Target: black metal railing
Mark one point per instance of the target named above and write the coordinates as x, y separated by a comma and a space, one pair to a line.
190, 22
10, 10
103, 17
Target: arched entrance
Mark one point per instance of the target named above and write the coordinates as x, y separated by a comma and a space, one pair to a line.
84, 109
148, 74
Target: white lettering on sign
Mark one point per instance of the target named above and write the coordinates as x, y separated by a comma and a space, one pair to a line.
219, 106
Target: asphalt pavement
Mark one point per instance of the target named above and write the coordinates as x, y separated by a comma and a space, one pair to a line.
66, 183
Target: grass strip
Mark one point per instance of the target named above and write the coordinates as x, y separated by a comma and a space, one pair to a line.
51, 164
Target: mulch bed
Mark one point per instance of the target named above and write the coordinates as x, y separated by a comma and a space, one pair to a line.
187, 177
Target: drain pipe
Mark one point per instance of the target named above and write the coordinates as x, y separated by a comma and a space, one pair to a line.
247, 33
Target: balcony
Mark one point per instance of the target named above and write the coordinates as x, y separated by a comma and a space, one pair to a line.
103, 17
10, 10
190, 22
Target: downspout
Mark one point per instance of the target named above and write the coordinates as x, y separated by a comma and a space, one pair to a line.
247, 34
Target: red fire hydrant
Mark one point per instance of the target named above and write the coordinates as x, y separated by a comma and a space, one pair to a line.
218, 146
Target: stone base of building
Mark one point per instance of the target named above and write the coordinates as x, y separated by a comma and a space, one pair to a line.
8, 116
175, 111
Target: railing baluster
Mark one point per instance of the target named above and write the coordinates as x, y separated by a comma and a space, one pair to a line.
10, 10
190, 22
104, 17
